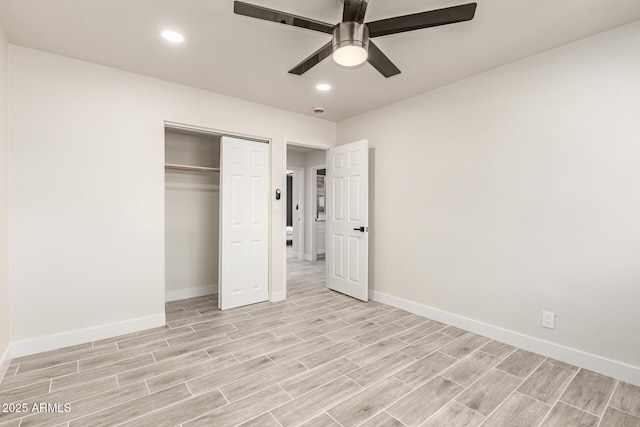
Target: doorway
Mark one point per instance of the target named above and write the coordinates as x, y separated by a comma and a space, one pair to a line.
295, 212
192, 200
304, 230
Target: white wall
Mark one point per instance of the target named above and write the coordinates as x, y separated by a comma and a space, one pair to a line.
518, 191
4, 208
191, 216
87, 191
295, 159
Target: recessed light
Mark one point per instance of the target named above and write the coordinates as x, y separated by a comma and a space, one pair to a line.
323, 87
173, 37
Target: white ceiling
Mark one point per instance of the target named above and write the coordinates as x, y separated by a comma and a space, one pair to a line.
249, 58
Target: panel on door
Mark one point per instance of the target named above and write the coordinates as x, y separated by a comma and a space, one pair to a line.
347, 219
244, 216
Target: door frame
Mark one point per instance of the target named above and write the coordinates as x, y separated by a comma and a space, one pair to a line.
211, 131
309, 144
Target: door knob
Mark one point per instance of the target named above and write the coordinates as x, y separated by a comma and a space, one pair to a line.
361, 229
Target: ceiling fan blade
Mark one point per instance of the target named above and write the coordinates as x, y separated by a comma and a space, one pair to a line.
380, 61
417, 21
354, 10
246, 9
314, 59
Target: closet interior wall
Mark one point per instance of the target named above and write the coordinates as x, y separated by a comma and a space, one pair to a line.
192, 200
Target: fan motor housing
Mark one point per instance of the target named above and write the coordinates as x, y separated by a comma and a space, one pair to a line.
350, 34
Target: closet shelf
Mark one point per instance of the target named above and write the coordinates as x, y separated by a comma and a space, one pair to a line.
191, 168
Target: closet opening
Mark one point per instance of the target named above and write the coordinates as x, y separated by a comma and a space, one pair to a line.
217, 219
192, 220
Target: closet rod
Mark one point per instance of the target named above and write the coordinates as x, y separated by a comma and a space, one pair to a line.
191, 168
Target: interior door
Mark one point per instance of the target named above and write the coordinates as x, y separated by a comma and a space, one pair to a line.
244, 216
347, 188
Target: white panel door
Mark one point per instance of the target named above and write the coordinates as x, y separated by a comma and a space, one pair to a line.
244, 217
347, 188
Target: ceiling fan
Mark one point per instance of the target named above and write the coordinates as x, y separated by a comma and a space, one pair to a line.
351, 44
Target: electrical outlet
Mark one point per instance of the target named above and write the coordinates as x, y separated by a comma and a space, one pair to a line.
548, 320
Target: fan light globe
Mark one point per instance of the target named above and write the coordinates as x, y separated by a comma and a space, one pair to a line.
350, 56
350, 44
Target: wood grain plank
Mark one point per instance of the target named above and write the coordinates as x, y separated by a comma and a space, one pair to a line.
189, 372
270, 377
464, 345
375, 351
264, 420
626, 398
102, 371
133, 408
455, 415
316, 377
322, 420
589, 391
314, 402
87, 406
489, 391
361, 406
427, 345
381, 368
242, 410
518, 410
615, 418
417, 406
424, 369
182, 412
472, 367
521, 363
221, 377
547, 383
563, 415
382, 420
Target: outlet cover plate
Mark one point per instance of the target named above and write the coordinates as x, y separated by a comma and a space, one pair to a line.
548, 320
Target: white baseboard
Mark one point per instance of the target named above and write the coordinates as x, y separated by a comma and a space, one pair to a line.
81, 336
190, 292
592, 362
277, 296
5, 360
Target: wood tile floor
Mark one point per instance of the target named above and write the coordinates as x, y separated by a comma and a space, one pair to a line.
318, 359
